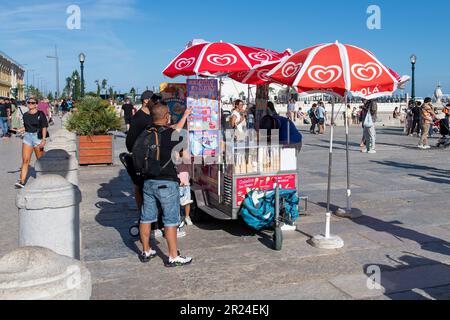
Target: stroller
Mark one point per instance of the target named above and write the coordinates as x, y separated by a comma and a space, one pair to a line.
444, 141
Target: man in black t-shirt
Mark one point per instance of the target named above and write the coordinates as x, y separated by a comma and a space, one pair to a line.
163, 190
417, 115
128, 111
5, 115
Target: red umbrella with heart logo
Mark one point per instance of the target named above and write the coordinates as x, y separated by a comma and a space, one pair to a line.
337, 69
258, 76
220, 59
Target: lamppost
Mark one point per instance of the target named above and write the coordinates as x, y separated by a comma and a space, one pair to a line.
74, 92
413, 66
57, 68
82, 58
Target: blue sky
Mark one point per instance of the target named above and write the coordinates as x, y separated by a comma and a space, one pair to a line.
130, 42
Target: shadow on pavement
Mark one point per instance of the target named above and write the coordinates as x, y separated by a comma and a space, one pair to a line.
113, 214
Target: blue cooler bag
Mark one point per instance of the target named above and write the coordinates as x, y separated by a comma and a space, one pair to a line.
258, 208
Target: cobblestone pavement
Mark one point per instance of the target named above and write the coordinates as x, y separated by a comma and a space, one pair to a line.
403, 193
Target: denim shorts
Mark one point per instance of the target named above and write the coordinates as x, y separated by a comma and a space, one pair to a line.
31, 139
167, 194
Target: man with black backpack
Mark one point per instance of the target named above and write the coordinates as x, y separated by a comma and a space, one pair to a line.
152, 157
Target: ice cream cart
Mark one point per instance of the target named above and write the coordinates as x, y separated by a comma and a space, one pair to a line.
237, 166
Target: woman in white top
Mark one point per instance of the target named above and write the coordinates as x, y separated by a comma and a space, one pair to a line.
237, 119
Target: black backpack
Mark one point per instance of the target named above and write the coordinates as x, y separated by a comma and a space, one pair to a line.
147, 152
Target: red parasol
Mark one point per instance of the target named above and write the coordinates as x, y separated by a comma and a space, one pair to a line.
219, 59
337, 69
258, 76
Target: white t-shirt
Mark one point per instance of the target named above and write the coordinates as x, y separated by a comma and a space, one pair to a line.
241, 126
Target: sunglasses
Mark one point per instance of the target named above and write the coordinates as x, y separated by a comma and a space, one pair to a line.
32, 102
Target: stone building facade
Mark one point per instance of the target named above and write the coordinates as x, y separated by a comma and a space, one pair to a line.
11, 77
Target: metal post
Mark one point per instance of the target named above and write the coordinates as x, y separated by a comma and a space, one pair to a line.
330, 162
413, 91
82, 79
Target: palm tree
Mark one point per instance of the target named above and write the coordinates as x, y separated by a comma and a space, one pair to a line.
97, 82
68, 87
104, 85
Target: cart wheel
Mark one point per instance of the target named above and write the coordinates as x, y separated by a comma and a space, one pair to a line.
278, 239
134, 231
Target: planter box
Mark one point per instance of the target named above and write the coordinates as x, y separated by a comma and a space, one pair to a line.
95, 150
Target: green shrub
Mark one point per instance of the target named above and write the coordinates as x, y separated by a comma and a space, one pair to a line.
93, 117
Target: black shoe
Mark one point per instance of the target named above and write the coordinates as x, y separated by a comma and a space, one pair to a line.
146, 257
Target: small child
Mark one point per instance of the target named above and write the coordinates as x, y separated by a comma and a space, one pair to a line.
185, 187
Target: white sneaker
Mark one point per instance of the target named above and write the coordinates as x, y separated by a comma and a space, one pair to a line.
188, 221
179, 261
186, 203
420, 146
372, 152
426, 147
364, 151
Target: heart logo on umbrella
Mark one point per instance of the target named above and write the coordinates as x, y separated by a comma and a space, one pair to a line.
325, 75
262, 75
184, 63
291, 69
260, 56
367, 72
243, 74
222, 60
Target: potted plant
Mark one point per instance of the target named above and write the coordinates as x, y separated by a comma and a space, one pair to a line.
91, 122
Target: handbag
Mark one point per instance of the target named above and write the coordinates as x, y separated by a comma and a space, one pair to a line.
40, 129
368, 122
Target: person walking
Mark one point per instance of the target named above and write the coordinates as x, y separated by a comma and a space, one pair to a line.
35, 125
163, 189
128, 111
312, 116
5, 114
417, 113
427, 118
409, 119
369, 118
321, 117
291, 110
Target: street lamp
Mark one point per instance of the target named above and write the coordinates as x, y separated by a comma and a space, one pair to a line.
74, 92
82, 58
413, 66
57, 68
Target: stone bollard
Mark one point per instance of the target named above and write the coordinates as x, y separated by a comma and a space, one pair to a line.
58, 162
49, 215
36, 273
61, 143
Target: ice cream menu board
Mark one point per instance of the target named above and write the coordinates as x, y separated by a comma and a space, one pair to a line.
203, 124
263, 183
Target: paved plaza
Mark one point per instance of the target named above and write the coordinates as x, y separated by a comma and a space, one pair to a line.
405, 231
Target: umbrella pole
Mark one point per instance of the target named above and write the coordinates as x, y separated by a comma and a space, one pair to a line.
349, 212
329, 241
330, 169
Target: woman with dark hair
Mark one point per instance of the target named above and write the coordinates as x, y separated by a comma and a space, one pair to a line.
35, 124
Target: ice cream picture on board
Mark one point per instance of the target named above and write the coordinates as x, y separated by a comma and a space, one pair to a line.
203, 123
